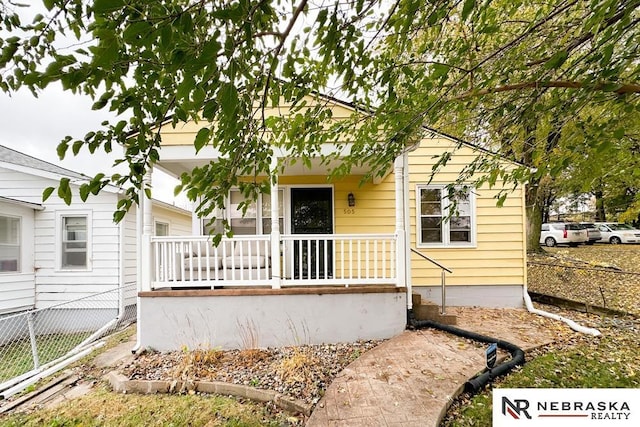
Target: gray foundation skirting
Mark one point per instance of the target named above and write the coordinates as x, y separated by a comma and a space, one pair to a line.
122, 384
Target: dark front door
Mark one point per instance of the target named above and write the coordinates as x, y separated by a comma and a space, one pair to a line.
312, 213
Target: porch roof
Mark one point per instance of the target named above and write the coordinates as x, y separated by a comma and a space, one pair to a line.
177, 159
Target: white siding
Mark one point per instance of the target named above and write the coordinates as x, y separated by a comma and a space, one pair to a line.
54, 285
179, 220
17, 290
130, 256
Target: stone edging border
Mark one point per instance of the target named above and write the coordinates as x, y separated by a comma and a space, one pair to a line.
122, 384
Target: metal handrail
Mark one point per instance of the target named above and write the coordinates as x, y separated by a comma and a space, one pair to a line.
443, 269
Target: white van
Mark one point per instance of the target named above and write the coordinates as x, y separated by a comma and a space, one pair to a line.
563, 233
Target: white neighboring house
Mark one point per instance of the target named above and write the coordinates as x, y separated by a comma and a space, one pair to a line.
51, 253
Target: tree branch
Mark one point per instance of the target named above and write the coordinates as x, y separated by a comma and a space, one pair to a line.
622, 89
278, 49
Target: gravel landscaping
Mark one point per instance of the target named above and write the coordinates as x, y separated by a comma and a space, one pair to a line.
302, 372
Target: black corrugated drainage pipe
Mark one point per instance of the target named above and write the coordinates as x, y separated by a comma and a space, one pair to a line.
478, 382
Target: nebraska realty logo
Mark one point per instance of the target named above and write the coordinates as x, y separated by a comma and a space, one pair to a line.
566, 407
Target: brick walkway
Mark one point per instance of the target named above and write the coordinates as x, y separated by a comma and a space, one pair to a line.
410, 379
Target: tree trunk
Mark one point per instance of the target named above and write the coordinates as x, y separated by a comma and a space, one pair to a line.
600, 214
534, 215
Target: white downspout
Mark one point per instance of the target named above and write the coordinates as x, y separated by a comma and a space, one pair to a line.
144, 230
401, 255
525, 293
407, 227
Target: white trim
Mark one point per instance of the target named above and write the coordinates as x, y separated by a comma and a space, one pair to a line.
60, 214
30, 205
73, 180
445, 227
20, 244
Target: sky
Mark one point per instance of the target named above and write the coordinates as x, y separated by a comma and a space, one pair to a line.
35, 126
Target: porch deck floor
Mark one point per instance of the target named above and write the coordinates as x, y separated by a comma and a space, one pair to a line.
410, 379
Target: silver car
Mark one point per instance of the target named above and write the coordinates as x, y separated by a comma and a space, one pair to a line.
563, 233
593, 232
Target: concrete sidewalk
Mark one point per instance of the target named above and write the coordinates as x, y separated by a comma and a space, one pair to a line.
411, 379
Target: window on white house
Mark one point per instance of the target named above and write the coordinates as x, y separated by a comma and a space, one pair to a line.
74, 242
9, 244
242, 224
162, 228
257, 219
437, 225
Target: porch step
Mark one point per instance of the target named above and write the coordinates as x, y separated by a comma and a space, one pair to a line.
430, 311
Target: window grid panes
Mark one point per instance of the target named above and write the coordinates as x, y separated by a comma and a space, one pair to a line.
431, 215
74, 242
242, 224
162, 229
435, 227
9, 244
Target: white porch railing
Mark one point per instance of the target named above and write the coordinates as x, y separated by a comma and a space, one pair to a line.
307, 259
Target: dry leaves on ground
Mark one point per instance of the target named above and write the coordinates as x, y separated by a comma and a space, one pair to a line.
602, 275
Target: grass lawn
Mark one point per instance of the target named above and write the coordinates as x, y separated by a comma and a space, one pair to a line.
105, 408
609, 361
16, 357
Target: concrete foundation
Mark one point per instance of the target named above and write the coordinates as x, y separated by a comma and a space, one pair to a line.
251, 318
474, 296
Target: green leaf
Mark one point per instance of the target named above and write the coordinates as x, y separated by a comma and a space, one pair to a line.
105, 6
619, 133
228, 98
202, 138
47, 193
84, 192
64, 191
48, 4
556, 60
62, 149
118, 216
467, 8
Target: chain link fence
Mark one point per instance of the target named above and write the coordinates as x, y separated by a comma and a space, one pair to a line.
32, 340
601, 287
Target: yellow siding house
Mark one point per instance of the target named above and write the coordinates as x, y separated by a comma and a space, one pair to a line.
320, 260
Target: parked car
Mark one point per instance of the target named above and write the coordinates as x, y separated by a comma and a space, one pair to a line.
563, 233
616, 233
593, 232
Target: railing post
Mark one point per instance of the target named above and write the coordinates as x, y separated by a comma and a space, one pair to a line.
32, 339
275, 226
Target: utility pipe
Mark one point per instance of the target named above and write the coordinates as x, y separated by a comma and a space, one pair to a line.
477, 383
572, 324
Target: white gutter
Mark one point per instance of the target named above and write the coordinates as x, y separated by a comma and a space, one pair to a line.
407, 222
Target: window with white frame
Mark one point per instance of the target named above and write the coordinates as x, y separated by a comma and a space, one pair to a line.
162, 228
257, 218
445, 220
9, 244
74, 249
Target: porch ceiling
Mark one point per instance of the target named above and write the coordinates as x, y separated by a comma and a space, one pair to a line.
176, 163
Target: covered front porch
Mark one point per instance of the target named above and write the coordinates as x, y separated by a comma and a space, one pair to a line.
306, 231
313, 261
